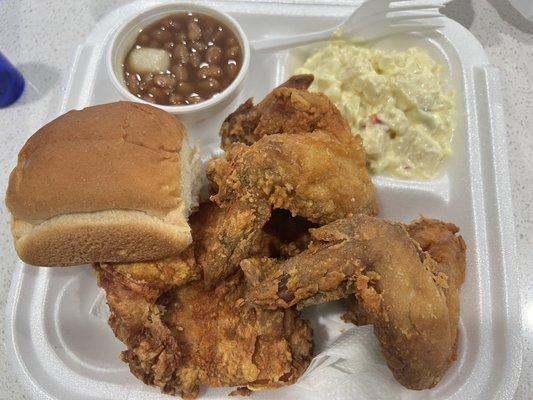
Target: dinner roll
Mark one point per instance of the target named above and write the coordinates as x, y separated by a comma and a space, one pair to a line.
110, 183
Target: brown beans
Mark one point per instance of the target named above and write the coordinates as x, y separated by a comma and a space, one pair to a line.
209, 72
180, 72
181, 54
199, 46
195, 59
170, 24
143, 39
218, 36
176, 99
213, 55
133, 84
164, 81
184, 88
205, 58
156, 92
207, 32
194, 32
161, 35
180, 37
169, 46
233, 52
232, 70
209, 85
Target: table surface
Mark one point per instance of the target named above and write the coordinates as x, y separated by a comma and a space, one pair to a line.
40, 39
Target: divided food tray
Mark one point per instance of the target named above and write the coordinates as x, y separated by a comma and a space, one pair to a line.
62, 349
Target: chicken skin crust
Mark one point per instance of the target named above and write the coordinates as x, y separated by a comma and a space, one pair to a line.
448, 249
192, 336
289, 108
152, 278
313, 176
180, 335
399, 288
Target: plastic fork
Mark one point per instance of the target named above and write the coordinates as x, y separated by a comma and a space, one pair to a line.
372, 19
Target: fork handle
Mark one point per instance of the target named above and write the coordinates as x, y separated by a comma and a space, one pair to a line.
274, 44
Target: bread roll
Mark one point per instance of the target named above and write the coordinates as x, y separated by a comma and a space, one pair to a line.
110, 183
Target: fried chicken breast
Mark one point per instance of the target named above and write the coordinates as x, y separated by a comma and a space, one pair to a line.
192, 336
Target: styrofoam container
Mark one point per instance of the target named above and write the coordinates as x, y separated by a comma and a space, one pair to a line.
60, 350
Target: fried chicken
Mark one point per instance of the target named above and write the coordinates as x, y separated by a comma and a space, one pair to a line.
151, 279
180, 336
313, 176
399, 288
448, 249
208, 224
191, 336
289, 108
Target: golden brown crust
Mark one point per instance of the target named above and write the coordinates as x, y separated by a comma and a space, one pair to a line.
448, 249
394, 283
153, 278
311, 175
193, 336
289, 108
113, 156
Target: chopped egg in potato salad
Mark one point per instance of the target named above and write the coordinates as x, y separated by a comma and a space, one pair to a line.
397, 101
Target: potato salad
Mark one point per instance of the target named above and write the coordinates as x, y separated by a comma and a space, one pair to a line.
397, 101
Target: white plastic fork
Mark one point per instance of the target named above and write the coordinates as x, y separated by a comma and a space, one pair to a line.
368, 20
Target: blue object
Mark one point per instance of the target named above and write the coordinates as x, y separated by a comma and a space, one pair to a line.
11, 82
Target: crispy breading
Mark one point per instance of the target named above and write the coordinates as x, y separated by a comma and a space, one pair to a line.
448, 249
152, 278
313, 176
396, 284
193, 336
289, 108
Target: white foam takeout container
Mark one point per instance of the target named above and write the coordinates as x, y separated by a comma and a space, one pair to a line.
61, 350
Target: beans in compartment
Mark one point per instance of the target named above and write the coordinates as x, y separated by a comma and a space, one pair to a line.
205, 57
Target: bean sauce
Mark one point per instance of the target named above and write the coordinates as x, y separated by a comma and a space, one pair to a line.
205, 57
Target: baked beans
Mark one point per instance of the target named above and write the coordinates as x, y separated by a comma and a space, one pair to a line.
197, 58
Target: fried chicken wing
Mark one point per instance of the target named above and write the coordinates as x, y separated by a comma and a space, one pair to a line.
209, 227
289, 108
192, 336
448, 249
399, 288
313, 176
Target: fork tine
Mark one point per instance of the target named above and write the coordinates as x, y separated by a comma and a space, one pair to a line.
401, 28
412, 16
376, 9
418, 23
371, 7
413, 23
408, 6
